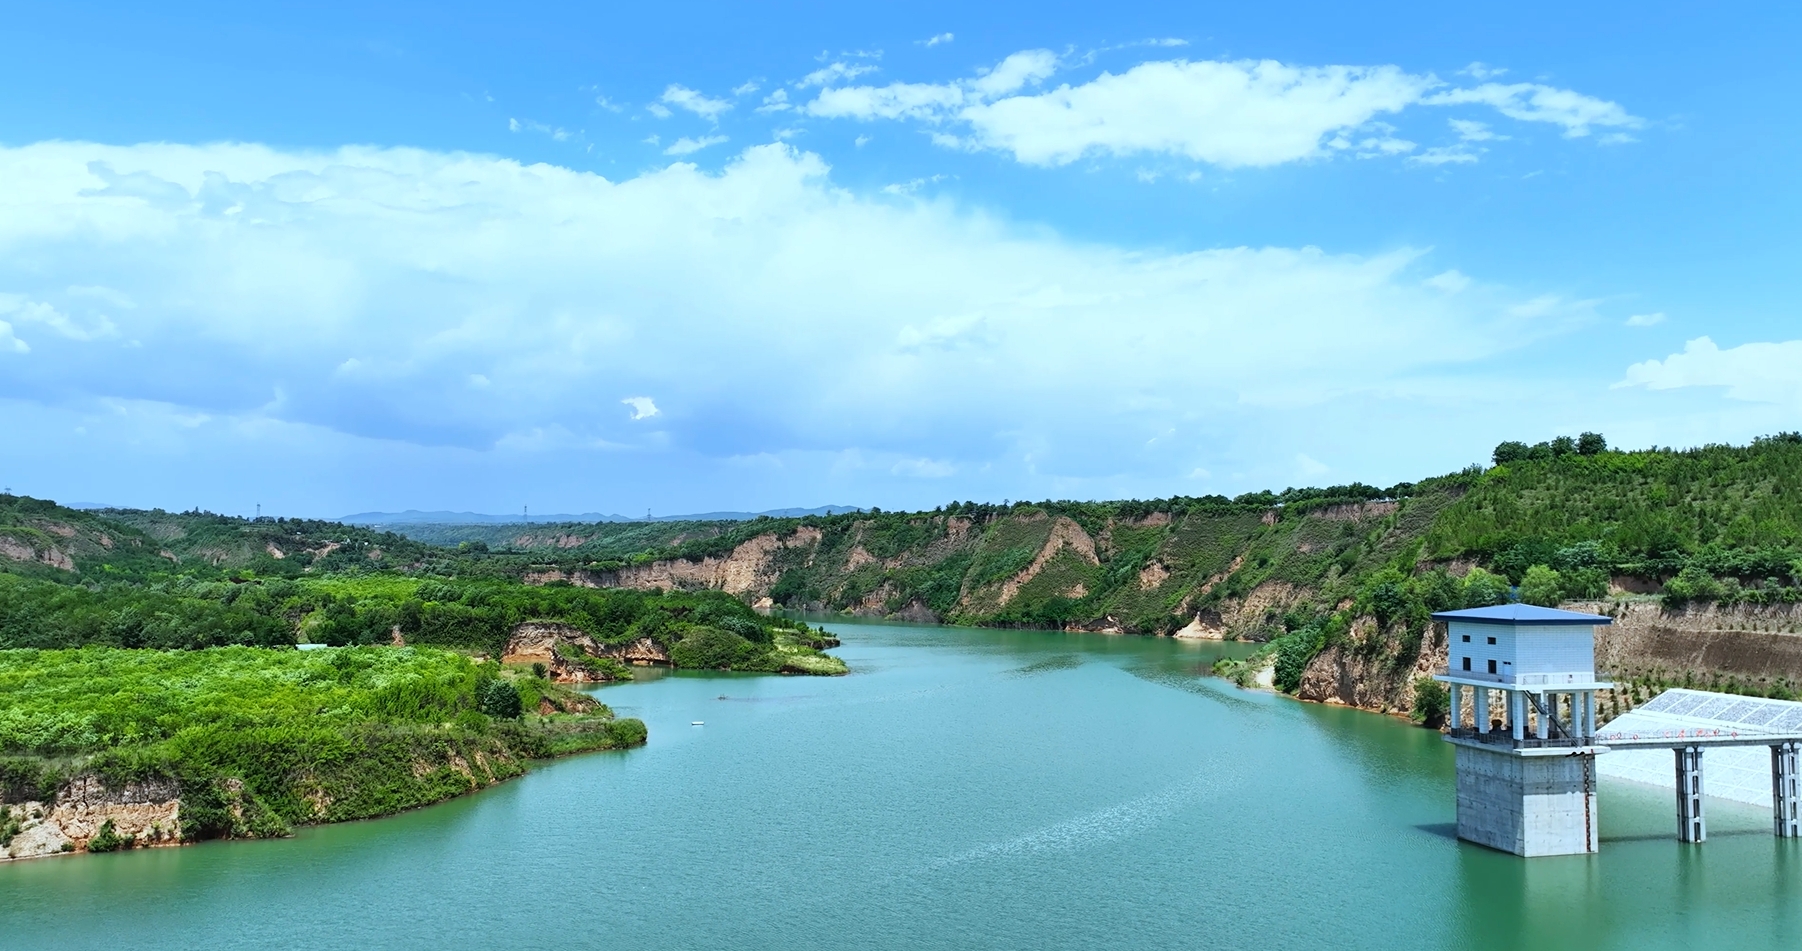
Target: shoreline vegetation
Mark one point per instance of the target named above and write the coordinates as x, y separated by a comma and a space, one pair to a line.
114, 748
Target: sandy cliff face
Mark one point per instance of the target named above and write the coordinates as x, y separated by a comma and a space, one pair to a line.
1751, 642
16, 549
748, 570
1370, 670
536, 642
1065, 533
150, 813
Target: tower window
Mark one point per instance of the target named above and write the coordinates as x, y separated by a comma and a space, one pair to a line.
1467, 638
1467, 663
1492, 666
1492, 640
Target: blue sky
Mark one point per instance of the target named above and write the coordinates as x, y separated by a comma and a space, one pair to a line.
695, 256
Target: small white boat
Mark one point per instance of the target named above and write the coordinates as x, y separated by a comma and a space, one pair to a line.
697, 723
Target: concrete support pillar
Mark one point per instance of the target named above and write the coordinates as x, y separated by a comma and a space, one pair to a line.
1542, 726
1517, 714
1589, 713
1785, 821
1456, 693
1482, 709
1690, 825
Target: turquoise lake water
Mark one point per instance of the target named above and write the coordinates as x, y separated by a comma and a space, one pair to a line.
961, 789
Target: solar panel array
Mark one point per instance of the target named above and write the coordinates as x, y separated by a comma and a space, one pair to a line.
1742, 774
1701, 708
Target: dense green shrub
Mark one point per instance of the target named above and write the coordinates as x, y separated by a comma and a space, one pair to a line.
1483, 589
713, 649
1432, 703
1585, 583
1692, 584
1295, 649
498, 698
1543, 586
108, 839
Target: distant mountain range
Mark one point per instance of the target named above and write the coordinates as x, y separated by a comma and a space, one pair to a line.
416, 517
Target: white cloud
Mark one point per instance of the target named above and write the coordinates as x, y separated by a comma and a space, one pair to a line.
861, 141
10, 343
1226, 114
659, 110
527, 125
944, 325
24, 311
1481, 71
746, 88
936, 40
924, 468
1757, 372
1531, 102
608, 104
1031, 67
642, 407
833, 75
686, 145
894, 101
1646, 320
1231, 114
1471, 131
1451, 282
1445, 155
683, 97
776, 102
912, 185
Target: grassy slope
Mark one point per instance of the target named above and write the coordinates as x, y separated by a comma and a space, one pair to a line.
260, 740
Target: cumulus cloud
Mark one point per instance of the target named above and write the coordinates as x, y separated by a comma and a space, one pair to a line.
10, 343
683, 97
776, 102
23, 311
1226, 113
1531, 102
1757, 372
833, 74
527, 125
687, 145
455, 300
924, 468
643, 407
936, 40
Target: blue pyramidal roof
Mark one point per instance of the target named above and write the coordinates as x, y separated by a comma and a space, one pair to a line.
1522, 614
